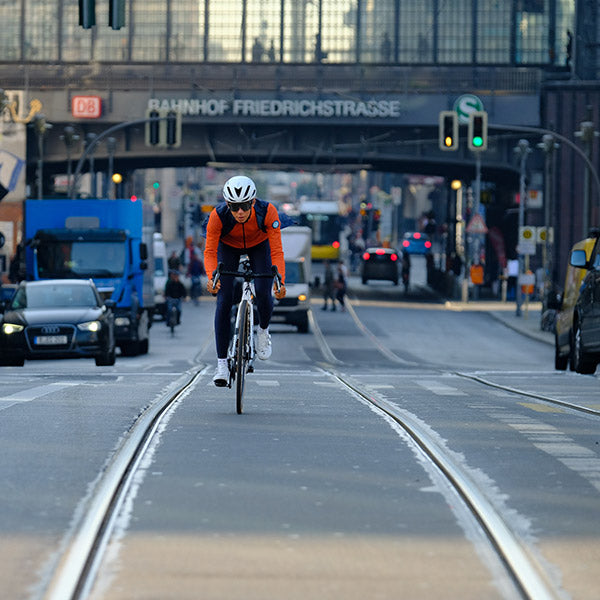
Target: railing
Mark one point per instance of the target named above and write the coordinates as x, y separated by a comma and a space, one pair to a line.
249, 77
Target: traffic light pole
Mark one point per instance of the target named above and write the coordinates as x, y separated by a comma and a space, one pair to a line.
93, 145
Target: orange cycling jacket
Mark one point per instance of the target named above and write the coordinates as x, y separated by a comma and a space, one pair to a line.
245, 235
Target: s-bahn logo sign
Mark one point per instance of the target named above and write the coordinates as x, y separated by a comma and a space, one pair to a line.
302, 107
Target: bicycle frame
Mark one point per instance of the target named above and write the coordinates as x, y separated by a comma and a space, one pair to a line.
247, 296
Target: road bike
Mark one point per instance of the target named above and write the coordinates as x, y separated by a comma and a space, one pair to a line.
240, 356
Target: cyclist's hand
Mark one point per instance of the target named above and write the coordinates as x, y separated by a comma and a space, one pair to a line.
213, 289
281, 293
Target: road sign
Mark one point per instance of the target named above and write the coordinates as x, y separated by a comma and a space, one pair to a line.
476, 225
86, 107
542, 232
465, 105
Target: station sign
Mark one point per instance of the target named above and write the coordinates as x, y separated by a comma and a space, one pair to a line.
86, 107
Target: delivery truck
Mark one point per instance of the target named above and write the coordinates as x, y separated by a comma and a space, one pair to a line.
103, 240
293, 309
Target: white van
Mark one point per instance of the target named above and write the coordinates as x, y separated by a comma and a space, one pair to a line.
161, 273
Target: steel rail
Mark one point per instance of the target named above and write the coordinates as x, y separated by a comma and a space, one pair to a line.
76, 570
526, 572
536, 396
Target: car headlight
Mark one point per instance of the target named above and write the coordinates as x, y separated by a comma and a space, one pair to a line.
9, 328
122, 321
90, 326
302, 298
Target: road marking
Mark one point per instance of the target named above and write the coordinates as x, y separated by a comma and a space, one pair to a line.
545, 408
267, 383
554, 442
34, 393
439, 388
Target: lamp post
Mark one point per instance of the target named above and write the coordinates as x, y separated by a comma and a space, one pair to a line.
69, 137
522, 150
111, 145
586, 134
548, 145
41, 128
90, 139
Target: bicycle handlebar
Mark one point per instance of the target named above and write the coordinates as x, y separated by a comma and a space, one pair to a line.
247, 274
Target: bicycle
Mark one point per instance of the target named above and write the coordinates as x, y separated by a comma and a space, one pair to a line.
240, 356
172, 315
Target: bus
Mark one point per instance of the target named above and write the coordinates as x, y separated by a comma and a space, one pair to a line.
326, 222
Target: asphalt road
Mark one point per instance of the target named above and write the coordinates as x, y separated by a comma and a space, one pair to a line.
311, 493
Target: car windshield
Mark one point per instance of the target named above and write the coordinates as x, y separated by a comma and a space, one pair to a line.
80, 259
52, 296
294, 273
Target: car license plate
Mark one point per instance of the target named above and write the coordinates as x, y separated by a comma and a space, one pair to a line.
50, 340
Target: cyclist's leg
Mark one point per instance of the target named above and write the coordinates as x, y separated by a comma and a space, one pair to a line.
230, 257
260, 260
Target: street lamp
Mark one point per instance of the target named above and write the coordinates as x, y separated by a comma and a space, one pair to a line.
41, 127
111, 146
586, 134
522, 150
69, 137
548, 145
90, 139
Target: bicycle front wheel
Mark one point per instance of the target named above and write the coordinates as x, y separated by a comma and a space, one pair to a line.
242, 354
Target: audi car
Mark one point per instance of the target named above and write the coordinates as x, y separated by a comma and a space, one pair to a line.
57, 318
380, 263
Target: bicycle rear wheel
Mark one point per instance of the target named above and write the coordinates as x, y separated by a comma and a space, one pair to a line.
242, 355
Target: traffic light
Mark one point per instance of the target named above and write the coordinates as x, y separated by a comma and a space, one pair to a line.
478, 124
448, 130
87, 13
173, 129
152, 130
116, 13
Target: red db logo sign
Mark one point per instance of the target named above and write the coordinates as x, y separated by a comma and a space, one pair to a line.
86, 107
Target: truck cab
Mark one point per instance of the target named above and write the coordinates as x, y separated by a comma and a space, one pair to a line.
103, 240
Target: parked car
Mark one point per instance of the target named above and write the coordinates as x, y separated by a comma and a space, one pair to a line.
415, 242
57, 318
380, 263
577, 329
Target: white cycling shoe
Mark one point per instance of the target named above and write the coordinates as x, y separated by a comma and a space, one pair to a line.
221, 375
263, 344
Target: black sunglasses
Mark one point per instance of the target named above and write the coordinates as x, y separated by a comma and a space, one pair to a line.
235, 206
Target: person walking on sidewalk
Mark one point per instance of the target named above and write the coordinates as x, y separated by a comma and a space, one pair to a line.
341, 285
328, 286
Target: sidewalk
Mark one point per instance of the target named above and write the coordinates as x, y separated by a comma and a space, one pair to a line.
527, 324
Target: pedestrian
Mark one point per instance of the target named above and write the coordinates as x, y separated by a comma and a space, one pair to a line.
406, 271
195, 271
328, 286
174, 261
341, 285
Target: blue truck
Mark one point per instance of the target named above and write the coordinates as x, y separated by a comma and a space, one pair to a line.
104, 240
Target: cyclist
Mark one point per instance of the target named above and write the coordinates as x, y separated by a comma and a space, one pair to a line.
242, 224
174, 292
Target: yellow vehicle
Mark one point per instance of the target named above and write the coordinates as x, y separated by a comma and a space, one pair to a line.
577, 336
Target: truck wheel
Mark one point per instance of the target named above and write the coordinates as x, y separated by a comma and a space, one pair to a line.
130, 348
303, 324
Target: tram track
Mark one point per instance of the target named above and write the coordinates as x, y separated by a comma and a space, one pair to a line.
526, 572
73, 577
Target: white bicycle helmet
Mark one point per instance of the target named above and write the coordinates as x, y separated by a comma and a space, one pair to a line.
239, 189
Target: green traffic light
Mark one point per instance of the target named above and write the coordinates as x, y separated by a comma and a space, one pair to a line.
477, 141
156, 185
